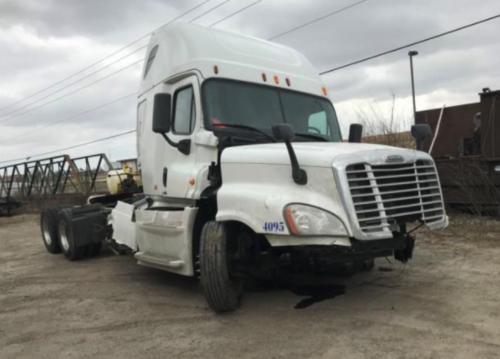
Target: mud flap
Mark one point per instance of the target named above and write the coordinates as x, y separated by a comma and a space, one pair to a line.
89, 223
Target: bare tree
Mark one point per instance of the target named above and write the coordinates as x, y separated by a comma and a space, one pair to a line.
385, 127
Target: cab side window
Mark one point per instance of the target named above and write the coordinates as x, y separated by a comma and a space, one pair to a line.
184, 111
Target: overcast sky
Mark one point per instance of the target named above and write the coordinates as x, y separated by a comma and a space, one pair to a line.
43, 42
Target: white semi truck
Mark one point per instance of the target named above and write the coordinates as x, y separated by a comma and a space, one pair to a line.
245, 173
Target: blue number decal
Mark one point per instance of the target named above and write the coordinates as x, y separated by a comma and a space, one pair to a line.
274, 226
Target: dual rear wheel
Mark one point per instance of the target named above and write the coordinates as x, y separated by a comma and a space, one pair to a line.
58, 235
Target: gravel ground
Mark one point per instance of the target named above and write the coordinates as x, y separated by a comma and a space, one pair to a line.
444, 304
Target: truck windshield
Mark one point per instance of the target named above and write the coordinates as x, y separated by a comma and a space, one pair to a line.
258, 106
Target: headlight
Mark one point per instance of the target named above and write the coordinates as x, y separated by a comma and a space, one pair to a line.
305, 220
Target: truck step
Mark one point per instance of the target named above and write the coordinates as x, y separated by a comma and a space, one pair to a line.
158, 262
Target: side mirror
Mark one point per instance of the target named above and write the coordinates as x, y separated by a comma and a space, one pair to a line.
421, 132
161, 113
355, 132
283, 132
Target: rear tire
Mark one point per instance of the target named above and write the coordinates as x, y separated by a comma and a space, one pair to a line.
50, 234
222, 291
67, 239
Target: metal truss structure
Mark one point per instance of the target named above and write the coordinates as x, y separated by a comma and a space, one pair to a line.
51, 176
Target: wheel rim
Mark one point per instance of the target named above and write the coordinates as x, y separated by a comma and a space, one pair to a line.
63, 236
46, 233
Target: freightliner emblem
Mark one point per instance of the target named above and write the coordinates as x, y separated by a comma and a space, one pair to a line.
394, 159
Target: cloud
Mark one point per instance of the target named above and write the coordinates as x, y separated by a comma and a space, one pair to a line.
107, 20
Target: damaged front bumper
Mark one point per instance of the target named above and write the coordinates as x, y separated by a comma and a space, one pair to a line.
331, 250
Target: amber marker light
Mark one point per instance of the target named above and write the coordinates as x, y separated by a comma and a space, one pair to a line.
324, 90
291, 222
264, 77
276, 79
216, 69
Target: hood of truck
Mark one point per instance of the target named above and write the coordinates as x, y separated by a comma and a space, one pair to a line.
318, 154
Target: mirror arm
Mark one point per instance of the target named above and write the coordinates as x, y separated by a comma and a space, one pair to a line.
298, 174
184, 146
285, 133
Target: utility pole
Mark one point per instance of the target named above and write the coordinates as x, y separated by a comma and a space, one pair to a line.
411, 54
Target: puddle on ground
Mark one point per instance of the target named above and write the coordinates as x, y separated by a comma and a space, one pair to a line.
316, 293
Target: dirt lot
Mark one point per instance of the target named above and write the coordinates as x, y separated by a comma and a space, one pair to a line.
445, 303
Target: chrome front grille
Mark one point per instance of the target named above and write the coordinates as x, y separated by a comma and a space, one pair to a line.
390, 194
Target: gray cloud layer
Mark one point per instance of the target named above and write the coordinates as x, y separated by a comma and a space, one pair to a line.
43, 41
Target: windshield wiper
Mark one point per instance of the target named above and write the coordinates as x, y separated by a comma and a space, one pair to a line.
311, 135
244, 127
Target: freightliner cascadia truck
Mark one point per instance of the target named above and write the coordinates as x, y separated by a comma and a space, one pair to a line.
245, 173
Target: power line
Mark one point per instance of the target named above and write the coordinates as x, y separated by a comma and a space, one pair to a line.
73, 83
317, 19
411, 44
106, 57
72, 147
235, 13
209, 11
72, 92
103, 105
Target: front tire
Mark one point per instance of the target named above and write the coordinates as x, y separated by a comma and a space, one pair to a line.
223, 291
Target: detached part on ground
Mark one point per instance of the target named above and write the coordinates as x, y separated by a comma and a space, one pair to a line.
77, 232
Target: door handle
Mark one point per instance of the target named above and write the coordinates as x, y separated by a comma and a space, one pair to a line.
165, 174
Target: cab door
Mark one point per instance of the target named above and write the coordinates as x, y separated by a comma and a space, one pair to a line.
179, 168
164, 229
